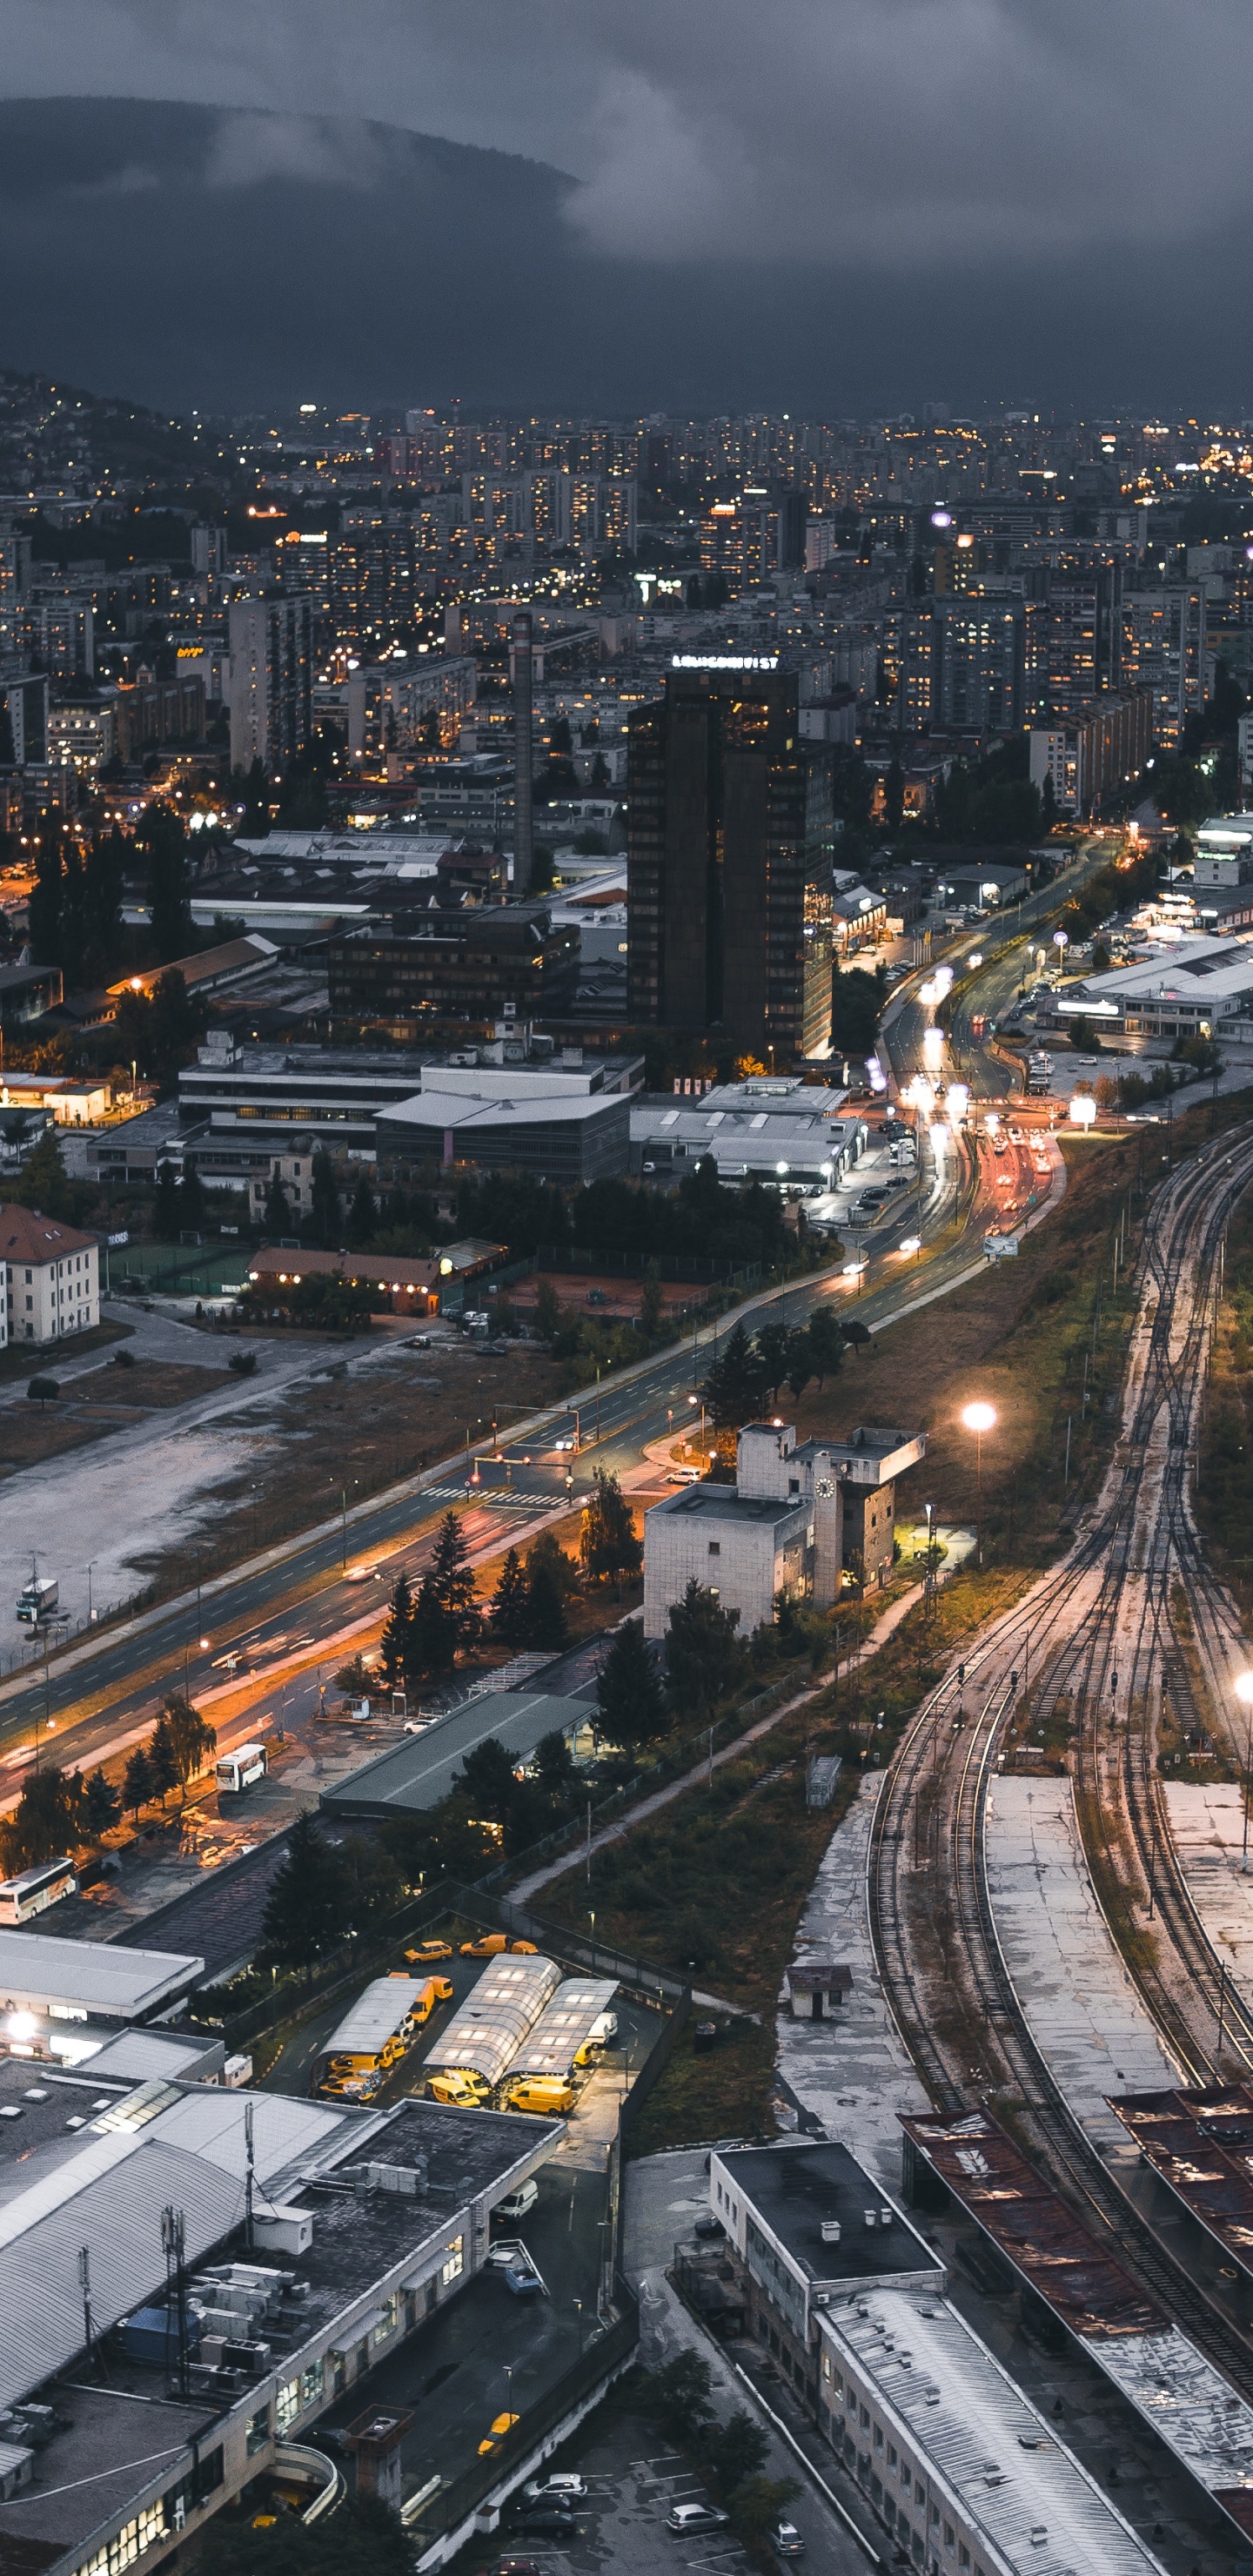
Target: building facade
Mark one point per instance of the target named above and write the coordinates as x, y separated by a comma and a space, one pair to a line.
271, 680
52, 1283
729, 862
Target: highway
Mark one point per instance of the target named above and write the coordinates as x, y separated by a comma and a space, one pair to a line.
293, 1615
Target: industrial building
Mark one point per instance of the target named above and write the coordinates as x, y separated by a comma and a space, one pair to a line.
1192, 987
842, 2293
190, 2278
417, 1773
556, 1121
795, 1521
788, 1134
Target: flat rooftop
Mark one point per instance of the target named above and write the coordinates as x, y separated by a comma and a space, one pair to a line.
96, 1977
725, 1503
793, 2189
419, 1772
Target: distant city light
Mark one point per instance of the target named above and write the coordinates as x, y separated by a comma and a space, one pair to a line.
941, 518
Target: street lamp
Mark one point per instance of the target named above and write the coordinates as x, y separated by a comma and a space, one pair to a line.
979, 1418
1244, 1693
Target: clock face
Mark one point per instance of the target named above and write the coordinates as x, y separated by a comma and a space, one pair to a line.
825, 1488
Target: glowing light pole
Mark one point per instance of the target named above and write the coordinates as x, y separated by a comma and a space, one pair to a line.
979, 1418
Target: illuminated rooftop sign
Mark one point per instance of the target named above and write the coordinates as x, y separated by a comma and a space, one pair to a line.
724, 661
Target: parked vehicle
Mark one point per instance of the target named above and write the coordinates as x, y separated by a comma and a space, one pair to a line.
548, 2522
428, 1952
487, 1946
243, 1769
501, 2424
786, 2539
518, 2202
545, 2095
37, 1599
562, 2483
466, 2090
687, 2518
34, 1890
523, 2282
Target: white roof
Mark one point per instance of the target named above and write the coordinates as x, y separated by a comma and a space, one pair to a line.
1194, 970
559, 2034
99, 1977
494, 1101
157, 2146
371, 2021
1188, 2403
488, 2029
959, 2411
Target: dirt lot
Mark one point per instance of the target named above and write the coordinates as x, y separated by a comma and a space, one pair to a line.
600, 1297
357, 1431
109, 1399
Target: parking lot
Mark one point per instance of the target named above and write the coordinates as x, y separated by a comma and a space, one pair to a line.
634, 2479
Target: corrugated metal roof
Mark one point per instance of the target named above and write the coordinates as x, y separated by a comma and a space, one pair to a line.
552, 2046
487, 2031
371, 2021
418, 1773
108, 2195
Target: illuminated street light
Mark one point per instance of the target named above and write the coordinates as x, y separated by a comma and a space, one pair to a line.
1061, 939
1082, 1109
979, 1418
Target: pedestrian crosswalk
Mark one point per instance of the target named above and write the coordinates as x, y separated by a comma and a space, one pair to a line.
494, 1494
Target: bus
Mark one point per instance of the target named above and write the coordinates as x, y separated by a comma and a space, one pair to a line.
33, 1890
241, 1769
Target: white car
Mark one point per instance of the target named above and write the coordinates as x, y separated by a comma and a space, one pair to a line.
555, 2490
516, 2203
696, 2517
561, 1446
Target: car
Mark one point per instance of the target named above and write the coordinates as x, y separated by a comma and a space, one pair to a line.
561, 1446
563, 2483
427, 1952
363, 1574
514, 2566
687, 2518
418, 1725
518, 2202
523, 1950
548, 2521
488, 1945
786, 2539
500, 2425
708, 2225
684, 1475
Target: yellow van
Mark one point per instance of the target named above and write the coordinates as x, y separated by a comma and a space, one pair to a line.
437, 1990
459, 2085
546, 2094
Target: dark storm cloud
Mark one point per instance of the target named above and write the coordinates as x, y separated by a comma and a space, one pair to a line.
720, 203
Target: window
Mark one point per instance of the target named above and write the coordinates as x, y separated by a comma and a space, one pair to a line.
258, 2433
878, 2437
388, 2314
891, 2455
455, 2262
715, 1547
963, 2556
864, 2417
950, 2536
286, 2405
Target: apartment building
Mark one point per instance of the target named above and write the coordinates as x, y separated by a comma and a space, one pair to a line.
52, 1277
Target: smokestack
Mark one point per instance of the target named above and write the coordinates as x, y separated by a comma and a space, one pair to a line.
522, 660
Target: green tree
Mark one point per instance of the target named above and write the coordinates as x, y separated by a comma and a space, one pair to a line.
894, 795
453, 1581
192, 1739
48, 1820
545, 1610
757, 2506
772, 1350
857, 1001
509, 1609
324, 1201
856, 1333
102, 889
432, 1634
101, 1805
162, 834
137, 1782
629, 1695
554, 1766
736, 1383
734, 2451
162, 1760
42, 1390
547, 1550
486, 1780
704, 1658
43, 1183
362, 1214
190, 1201
44, 908
608, 1546
396, 1642
549, 1311
652, 1304
679, 2393
826, 1338
305, 1911
278, 1215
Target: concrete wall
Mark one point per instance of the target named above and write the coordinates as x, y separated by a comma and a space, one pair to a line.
747, 1569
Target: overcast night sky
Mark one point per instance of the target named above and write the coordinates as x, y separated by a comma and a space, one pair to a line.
840, 205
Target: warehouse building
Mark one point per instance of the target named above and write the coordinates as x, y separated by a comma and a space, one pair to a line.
416, 1774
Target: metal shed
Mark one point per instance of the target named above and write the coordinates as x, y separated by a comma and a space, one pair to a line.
374, 2018
487, 2031
562, 2028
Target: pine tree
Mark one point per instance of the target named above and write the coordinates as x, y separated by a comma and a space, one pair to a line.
608, 1545
629, 1695
652, 1304
190, 1201
44, 907
453, 1581
137, 1782
278, 1215
162, 1760
545, 1610
432, 1635
162, 834
305, 1911
736, 1382
48, 1820
43, 1182
704, 1658
102, 891
362, 1214
101, 1805
397, 1633
324, 1202
509, 1609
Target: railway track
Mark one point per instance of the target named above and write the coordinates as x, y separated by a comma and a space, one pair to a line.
1101, 1631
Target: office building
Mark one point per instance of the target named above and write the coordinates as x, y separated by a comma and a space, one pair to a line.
53, 1282
729, 862
484, 963
270, 680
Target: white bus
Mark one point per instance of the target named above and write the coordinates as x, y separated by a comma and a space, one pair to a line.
241, 1769
33, 1890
